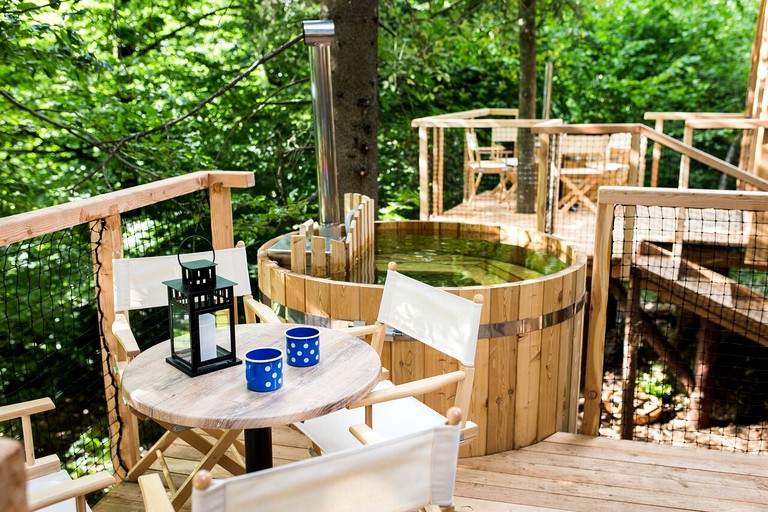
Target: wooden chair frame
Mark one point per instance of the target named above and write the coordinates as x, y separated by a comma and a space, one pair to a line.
40, 467
486, 160
220, 447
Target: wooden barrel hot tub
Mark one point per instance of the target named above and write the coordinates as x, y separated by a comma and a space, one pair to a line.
528, 357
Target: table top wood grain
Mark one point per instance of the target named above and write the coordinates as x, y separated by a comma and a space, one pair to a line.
348, 369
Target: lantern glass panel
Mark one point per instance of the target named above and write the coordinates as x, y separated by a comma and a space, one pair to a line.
182, 329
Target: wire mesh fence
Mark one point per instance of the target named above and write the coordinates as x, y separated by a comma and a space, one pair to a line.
686, 347
50, 341
49, 346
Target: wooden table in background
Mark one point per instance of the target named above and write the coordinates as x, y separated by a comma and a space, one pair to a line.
348, 369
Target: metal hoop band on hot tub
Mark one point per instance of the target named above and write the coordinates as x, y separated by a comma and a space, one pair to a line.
487, 331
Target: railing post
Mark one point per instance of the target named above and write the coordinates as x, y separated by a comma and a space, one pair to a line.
598, 308
220, 201
107, 244
659, 127
423, 173
543, 185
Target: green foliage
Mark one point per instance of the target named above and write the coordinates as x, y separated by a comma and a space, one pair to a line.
88, 452
654, 382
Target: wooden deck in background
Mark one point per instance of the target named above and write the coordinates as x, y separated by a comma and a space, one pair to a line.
564, 472
577, 226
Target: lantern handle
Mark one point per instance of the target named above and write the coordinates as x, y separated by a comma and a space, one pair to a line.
178, 254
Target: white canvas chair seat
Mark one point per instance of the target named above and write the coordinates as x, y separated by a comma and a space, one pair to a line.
48, 487
447, 323
488, 166
402, 474
139, 285
392, 419
510, 161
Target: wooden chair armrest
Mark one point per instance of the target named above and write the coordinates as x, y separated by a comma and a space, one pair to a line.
376, 331
365, 434
43, 466
417, 387
153, 494
359, 330
122, 331
261, 310
14, 411
68, 490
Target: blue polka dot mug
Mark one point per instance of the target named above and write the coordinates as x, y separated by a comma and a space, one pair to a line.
303, 345
264, 369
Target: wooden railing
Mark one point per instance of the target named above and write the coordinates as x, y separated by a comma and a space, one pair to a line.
468, 120
660, 117
630, 198
108, 208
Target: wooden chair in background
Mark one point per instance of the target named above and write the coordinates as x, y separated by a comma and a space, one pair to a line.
505, 139
412, 471
582, 161
440, 320
45, 484
617, 160
482, 161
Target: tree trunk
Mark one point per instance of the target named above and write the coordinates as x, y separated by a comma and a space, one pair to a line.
526, 170
355, 104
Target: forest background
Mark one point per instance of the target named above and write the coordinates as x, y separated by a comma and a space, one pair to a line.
96, 96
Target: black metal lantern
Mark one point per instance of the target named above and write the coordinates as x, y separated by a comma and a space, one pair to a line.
201, 317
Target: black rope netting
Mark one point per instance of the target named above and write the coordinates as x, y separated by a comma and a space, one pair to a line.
49, 346
687, 327
50, 328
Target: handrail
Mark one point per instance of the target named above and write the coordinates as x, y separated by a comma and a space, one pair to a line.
684, 198
725, 122
104, 211
683, 116
27, 225
481, 123
468, 114
589, 129
705, 158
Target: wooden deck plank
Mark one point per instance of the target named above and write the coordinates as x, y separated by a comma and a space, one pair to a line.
564, 472
656, 454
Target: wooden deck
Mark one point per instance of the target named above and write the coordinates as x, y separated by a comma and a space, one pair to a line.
564, 472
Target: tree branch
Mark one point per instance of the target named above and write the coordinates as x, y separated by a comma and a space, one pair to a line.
154, 44
210, 98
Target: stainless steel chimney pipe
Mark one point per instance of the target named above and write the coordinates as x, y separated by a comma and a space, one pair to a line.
318, 36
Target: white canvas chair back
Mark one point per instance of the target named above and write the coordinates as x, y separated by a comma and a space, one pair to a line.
139, 281
472, 147
395, 475
503, 134
591, 147
443, 321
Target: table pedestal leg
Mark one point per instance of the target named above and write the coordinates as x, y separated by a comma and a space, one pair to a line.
258, 449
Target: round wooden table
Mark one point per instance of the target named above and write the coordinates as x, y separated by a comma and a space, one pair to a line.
348, 369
